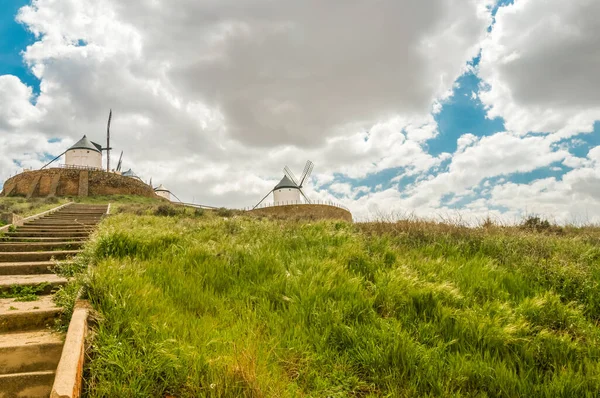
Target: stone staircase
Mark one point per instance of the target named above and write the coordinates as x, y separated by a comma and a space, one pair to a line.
29, 349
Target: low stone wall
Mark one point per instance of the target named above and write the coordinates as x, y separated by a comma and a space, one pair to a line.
67, 182
304, 212
11, 218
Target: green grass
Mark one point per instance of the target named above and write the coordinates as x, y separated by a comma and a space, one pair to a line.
28, 207
24, 293
198, 305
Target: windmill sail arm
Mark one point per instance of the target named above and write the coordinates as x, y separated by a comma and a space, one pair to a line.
108, 148
53, 160
290, 175
305, 197
262, 200
307, 172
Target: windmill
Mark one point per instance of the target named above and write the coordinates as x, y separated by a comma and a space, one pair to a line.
289, 189
87, 153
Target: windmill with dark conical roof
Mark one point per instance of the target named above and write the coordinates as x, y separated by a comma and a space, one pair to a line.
289, 189
84, 153
87, 154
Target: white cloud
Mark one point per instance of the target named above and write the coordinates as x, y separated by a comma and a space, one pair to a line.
540, 66
213, 98
501, 154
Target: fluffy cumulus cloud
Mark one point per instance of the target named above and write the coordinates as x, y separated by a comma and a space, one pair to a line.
540, 64
212, 98
215, 96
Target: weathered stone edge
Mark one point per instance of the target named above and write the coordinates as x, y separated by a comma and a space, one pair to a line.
67, 383
36, 216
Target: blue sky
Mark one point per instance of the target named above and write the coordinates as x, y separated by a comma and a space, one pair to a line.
15, 38
492, 147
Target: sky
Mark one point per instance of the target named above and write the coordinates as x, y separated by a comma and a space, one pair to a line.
462, 109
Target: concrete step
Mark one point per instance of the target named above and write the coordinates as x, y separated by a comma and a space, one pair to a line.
72, 216
65, 221
27, 315
91, 212
49, 282
28, 384
12, 257
58, 224
29, 268
53, 227
8, 239
30, 351
46, 234
55, 230
38, 246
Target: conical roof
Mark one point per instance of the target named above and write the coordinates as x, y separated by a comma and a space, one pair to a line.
84, 143
129, 173
286, 183
161, 187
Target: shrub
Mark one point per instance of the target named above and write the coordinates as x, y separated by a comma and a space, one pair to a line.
223, 212
536, 223
198, 212
165, 211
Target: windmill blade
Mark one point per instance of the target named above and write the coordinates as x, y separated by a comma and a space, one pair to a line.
120, 162
53, 160
108, 141
307, 171
290, 175
262, 200
305, 197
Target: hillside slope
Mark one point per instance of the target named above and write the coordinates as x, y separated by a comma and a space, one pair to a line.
200, 305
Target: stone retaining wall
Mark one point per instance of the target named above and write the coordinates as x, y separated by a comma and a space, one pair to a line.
65, 182
304, 212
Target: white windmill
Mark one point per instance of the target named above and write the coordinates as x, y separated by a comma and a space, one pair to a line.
288, 190
163, 192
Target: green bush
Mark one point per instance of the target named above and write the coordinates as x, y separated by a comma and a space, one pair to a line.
223, 212
165, 211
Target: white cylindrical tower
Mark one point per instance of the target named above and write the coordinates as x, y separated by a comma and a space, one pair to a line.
286, 192
84, 154
163, 192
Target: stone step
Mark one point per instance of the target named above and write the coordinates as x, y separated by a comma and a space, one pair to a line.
27, 315
59, 224
62, 222
73, 216
55, 228
67, 220
79, 213
49, 282
12, 257
98, 214
28, 384
29, 268
30, 351
38, 239
56, 234
38, 246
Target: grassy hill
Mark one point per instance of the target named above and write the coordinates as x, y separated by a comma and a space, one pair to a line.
197, 304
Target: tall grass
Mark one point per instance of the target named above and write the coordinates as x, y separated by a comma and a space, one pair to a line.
205, 306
